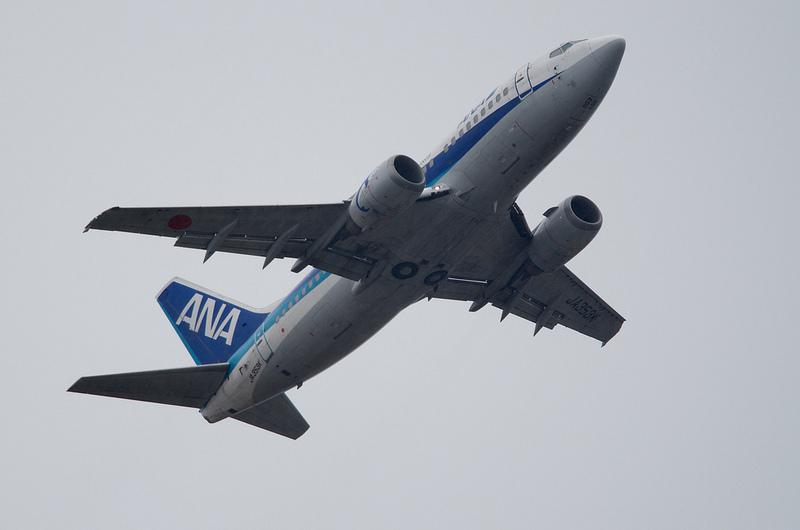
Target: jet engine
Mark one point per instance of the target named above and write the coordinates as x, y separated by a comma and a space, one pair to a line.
567, 229
388, 191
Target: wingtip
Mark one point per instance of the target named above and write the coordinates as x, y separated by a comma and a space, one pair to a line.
76, 386
91, 223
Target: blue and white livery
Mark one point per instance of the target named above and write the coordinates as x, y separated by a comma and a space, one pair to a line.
448, 227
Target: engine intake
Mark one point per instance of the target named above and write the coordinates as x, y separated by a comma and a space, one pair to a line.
388, 191
567, 229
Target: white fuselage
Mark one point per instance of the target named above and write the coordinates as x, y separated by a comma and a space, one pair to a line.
497, 150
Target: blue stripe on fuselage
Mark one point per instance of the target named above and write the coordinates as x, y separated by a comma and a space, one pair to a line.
309, 283
443, 161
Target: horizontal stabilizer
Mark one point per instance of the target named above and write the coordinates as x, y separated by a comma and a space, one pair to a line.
185, 387
277, 415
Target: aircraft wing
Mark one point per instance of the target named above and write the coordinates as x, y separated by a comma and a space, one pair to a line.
252, 230
266, 231
314, 233
558, 297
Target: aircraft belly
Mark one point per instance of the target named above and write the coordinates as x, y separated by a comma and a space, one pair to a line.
338, 324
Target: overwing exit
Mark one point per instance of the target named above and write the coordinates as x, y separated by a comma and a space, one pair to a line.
447, 227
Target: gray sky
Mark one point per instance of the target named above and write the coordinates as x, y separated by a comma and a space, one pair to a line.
446, 419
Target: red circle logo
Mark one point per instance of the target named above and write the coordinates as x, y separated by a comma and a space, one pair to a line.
180, 222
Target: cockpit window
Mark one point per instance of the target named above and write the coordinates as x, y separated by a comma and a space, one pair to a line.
564, 47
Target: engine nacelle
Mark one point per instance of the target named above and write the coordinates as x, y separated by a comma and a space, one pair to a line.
569, 227
388, 191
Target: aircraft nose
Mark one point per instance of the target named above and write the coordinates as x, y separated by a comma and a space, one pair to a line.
608, 51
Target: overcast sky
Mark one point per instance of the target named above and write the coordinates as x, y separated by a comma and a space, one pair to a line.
446, 419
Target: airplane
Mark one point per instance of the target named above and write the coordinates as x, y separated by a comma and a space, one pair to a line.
446, 228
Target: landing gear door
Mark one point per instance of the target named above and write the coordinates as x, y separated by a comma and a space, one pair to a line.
522, 82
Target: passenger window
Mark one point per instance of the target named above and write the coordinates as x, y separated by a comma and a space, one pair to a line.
283, 311
296, 298
483, 110
469, 126
491, 104
505, 91
446, 147
303, 291
497, 99
290, 304
453, 140
475, 119
461, 133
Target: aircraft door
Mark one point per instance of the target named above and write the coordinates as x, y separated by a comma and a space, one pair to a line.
523, 82
262, 346
538, 72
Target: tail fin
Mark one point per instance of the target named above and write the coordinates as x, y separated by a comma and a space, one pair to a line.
211, 326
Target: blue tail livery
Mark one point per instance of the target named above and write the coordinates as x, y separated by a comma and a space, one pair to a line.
213, 327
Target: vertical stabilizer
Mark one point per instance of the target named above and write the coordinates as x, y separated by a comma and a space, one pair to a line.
213, 327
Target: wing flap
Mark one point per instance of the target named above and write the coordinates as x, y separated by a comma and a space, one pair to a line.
244, 244
184, 387
559, 298
463, 289
277, 415
562, 298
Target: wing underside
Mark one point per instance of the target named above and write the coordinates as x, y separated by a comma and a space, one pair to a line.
548, 300
491, 274
270, 232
